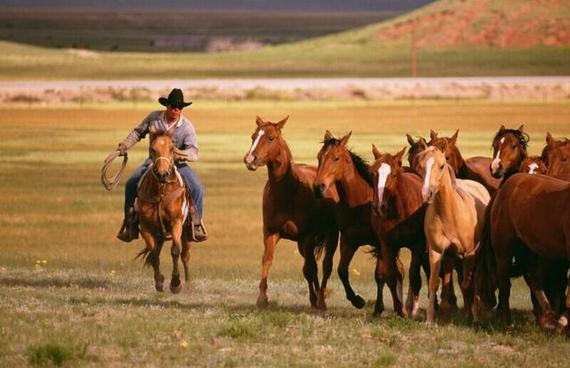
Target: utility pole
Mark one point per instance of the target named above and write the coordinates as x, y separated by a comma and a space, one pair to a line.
414, 48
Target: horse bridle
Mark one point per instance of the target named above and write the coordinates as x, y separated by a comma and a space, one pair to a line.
170, 165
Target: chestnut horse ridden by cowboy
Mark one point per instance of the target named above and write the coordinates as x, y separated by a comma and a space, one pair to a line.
185, 150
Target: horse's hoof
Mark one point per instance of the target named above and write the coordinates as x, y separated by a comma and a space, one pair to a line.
175, 289
377, 313
159, 287
358, 302
562, 326
262, 302
321, 304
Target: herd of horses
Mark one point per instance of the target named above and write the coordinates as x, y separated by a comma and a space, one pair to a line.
487, 219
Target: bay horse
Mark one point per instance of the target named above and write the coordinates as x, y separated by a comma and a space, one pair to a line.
509, 151
532, 212
162, 206
398, 219
474, 168
344, 177
290, 211
453, 220
556, 156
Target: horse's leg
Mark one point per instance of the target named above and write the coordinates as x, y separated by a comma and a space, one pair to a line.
448, 298
347, 251
504, 263
379, 273
562, 327
154, 246
175, 284
185, 256
415, 283
269, 243
330, 249
546, 320
467, 287
389, 269
435, 260
307, 249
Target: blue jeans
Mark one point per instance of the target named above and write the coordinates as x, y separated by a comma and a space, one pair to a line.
191, 178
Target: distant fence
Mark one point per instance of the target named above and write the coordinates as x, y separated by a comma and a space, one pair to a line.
498, 89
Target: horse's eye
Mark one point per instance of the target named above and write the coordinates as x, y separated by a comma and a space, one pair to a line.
271, 139
441, 167
564, 159
515, 145
446, 158
336, 158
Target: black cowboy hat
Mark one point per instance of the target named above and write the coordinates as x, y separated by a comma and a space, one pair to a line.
175, 98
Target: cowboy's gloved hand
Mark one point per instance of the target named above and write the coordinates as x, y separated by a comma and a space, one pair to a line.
180, 155
122, 148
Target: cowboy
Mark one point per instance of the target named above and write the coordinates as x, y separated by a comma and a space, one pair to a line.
185, 151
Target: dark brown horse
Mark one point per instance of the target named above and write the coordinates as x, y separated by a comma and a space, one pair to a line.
162, 203
509, 151
291, 211
474, 168
556, 156
344, 177
529, 212
398, 219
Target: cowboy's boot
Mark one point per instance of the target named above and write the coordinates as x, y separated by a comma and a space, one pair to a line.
130, 228
199, 233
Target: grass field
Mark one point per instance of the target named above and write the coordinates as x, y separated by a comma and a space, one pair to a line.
71, 294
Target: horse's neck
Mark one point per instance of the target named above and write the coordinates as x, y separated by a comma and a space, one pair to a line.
463, 169
357, 191
280, 169
408, 194
446, 198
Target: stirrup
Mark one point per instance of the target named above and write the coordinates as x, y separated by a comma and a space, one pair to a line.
198, 232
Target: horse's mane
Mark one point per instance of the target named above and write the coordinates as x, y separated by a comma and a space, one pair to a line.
521, 136
362, 168
361, 165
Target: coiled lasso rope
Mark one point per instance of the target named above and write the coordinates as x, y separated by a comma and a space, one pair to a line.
111, 183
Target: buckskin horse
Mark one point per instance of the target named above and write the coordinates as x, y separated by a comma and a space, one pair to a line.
291, 211
453, 220
398, 219
529, 211
162, 202
344, 177
474, 168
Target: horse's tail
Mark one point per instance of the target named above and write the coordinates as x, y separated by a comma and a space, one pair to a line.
320, 242
145, 254
485, 273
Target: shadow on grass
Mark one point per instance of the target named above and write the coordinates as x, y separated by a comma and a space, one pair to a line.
58, 282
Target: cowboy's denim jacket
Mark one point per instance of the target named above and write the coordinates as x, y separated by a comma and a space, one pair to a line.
184, 137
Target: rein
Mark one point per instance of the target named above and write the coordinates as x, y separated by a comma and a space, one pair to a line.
111, 183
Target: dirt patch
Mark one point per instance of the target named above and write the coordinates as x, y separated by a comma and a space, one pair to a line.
486, 23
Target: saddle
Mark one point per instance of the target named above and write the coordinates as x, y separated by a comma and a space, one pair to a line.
193, 228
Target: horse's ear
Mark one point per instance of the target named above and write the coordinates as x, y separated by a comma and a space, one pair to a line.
344, 140
502, 128
549, 138
400, 154
453, 138
521, 128
170, 133
279, 125
375, 152
422, 143
432, 134
328, 136
153, 132
410, 140
259, 121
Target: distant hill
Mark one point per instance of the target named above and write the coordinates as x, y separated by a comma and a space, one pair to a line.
503, 24
250, 5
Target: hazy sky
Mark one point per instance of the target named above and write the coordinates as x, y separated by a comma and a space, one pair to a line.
314, 5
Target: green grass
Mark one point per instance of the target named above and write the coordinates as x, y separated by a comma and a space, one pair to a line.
71, 293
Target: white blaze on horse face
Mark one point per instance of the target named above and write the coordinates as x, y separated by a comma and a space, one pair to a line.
383, 172
532, 168
425, 188
260, 133
497, 160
